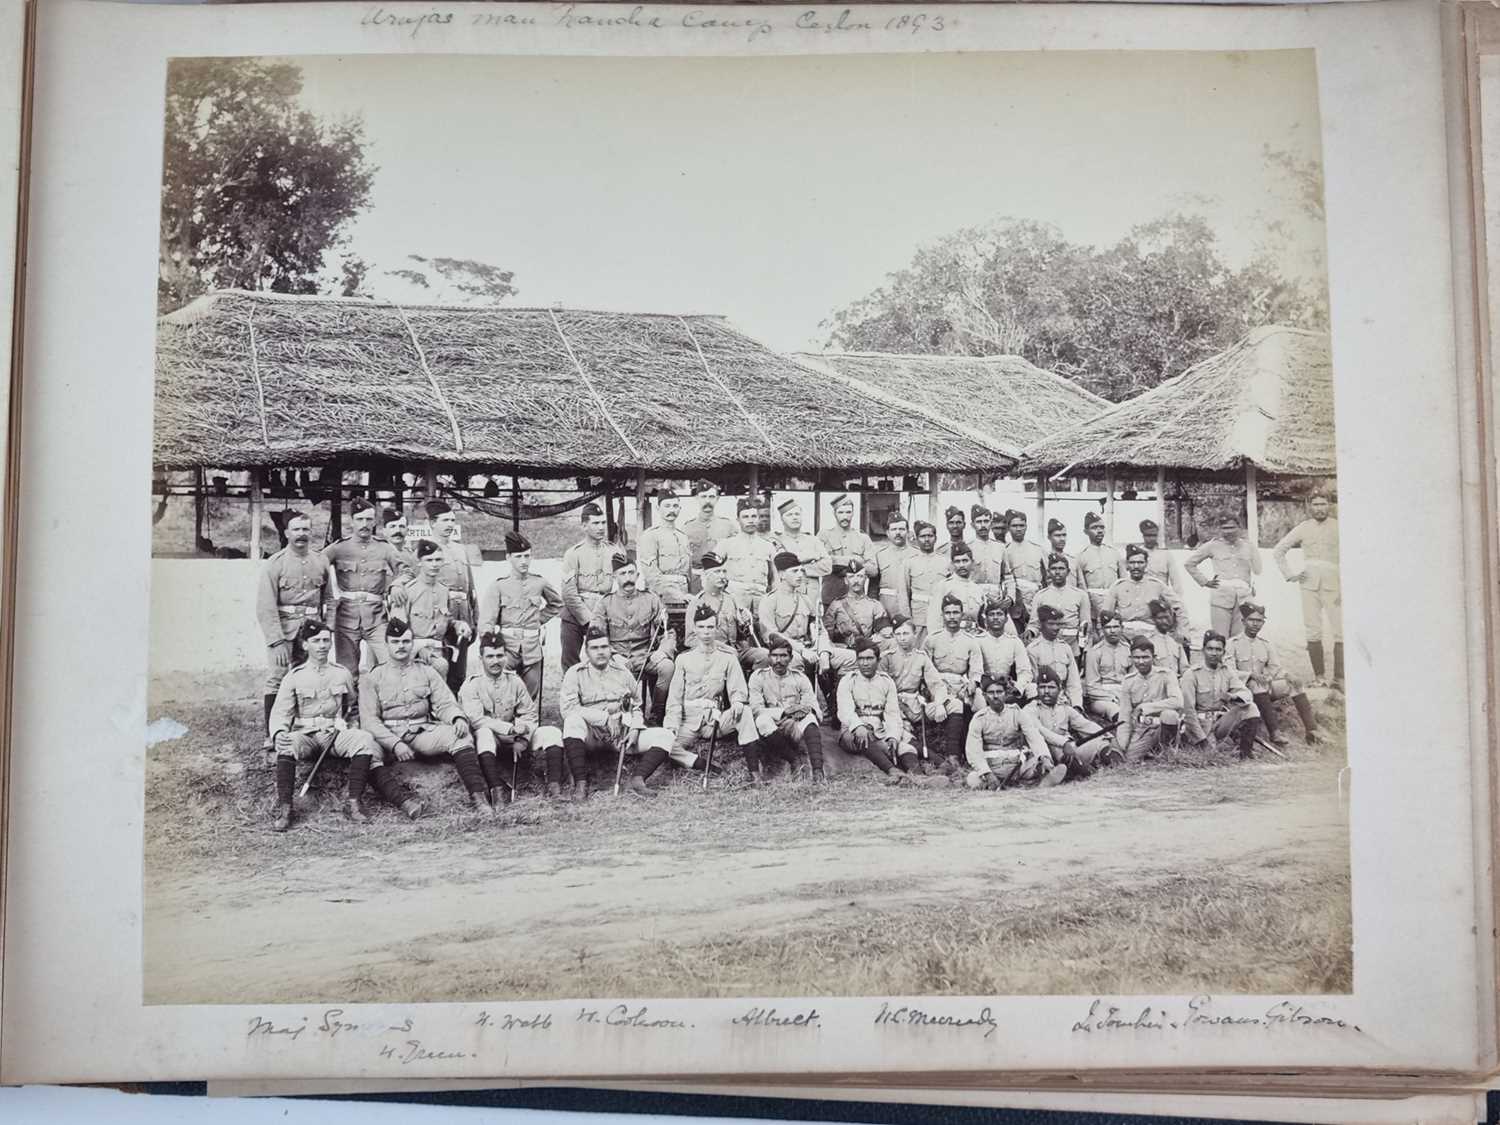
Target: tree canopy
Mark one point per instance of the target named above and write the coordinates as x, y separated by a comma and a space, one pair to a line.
1117, 320
255, 189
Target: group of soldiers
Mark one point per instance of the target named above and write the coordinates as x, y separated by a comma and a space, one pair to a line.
986, 658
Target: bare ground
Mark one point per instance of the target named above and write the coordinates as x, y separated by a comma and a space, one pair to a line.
1193, 874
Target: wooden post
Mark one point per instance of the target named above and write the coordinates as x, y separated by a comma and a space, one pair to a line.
429, 479
934, 501
1161, 501
1252, 505
642, 513
336, 503
255, 514
515, 500
817, 504
200, 505
1041, 509
609, 512
1109, 504
754, 481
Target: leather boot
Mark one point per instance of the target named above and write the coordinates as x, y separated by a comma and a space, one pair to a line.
554, 790
413, 807
637, 787
500, 795
1245, 736
480, 803
1338, 666
1305, 713
268, 744
354, 812
1315, 654
580, 788
282, 820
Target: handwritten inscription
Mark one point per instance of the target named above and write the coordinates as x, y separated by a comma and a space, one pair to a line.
983, 1020
537, 1021
775, 1017
412, 22
1105, 1018
626, 1016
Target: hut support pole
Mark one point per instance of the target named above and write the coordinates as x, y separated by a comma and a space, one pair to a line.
609, 512
429, 480
1161, 500
1252, 505
754, 480
642, 513
336, 503
255, 514
1041, 507
817, 505
1109, 503
515, 501
200, 503
934, 501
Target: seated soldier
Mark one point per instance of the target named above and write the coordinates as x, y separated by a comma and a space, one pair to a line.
1150, 705
956, 656
1049, 650
789, 612
705, 701
427, 611
310, 717
1005, 745
1255, 659
1105, 668
600, 703
970, 595
783, 712
734, 623
1001, 650
921, 690
852, 616
505, 719
1171, 653
1216, 701
407, 706
870, 715
636, 621
1075, 741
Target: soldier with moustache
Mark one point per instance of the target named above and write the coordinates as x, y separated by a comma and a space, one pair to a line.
1105, 668
1318, 537
705, 529
746, 557
706, 703
1236, 563
1057, 544
790, 611
926, 703
956, 656
587, 578
1170, 652
393, 527
989, 554
849, 550
1159, 562
457, 575
890, 563
971, 595
636, 622
956, 525
1130, 598
853, 614
505, 719
664, 557
1050, 650
1001, 650
426, 610
782, 712
870, 716
366, 572
1100, 565
519, 606
734, 625
1025, 568
1070, 601
293, 589
1073, 738
1005, 746
1255, 659
1216, 701
1150, 705
812, 555
925, 571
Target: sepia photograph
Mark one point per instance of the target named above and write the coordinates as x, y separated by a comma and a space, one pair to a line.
800, 526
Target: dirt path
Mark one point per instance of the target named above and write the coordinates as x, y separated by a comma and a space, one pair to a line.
288, 932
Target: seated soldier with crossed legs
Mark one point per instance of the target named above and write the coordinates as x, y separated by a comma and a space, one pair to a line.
783, 711
408, 708
1150, 705
870, 715
1255, 659
1075, 740
1005, 744
309, 716
505, 719
1216, 703
1105, 668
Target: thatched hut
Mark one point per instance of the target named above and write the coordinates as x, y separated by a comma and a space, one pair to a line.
1264, 405
247, 380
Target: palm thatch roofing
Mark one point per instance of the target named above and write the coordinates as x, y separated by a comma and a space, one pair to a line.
1266, 401
260, 379
1004, 399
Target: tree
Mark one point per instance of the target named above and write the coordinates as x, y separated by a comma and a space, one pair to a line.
459, 281
255, 189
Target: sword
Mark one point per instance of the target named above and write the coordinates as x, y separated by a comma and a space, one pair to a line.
1264, 745
708, 765
314, 771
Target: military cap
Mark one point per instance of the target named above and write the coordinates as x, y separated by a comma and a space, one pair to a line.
437, 508
360, 504
311, 628
785, 560
711, 560
882, 622
426, 547
989, 680
899, 620
390, 515
855, 573
1150, 525
952, 599
1248, 608
1142, 644
1047, 674
1106, 616
1013, 513
994, 604
1136, 549
704, 613
977, 510
491, 638
703, 487
595, 632
997, 515
953, 510
746, 504
840, 500
864, 644
1049, 613
516, 543
1213, 635
1092, 518
397, 628
620, 562
666, 494
1055, 525
960, 549
785, 504
775, 642
589, 511
1158, 605
1057, 558
921, 526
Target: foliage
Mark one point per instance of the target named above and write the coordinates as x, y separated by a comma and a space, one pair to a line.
255, 189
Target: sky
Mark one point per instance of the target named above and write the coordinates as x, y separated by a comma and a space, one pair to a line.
775, 191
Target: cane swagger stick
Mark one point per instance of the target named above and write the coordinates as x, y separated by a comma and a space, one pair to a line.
314, 771
634, 693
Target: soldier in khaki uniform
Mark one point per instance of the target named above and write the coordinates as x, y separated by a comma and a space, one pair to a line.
1074, 739
870, 715
427, 611
926, 703
849, 550
925, 571
1255, 660
520, 605
956, 524
1001, 649
366, 571
1215, 700
956, 656
1099, 564
1025, 568
783, 711
1072, 602
636, 622
746, 557
812, 555
600, 701
457, 575
1130, 598
293, 589
971, 595
410, 711
587, 576
1105, 667
1170, 653
1057, 544
505, 719
852, 615
393, 528
1159, 562
1049, 650
890, 562
1319, 578
1236, 563
989, 552
1005, 745
706, 702
791, 612
310, 716
664, 557
1150, 705
734, 625
705, 529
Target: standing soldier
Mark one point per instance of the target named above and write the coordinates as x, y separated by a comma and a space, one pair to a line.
393, 527
600, 703
783, 710
812, 555
1215, 700
587, 576
1069, 734
1171, 654
1236, 563
970, 594
849, 550
519, 606
989, 554
410, 711
1070, 601
365, 571
1319, 578
1057, 544
790, 612
705, 529
1150, 705
293, 589
1025, 572
1005, 744
1002, 650
1049, 650
1105, 668
1130, 598
925, 570
310, 716
663, 555
1159, 562
956, 523
734, 627
636, 623
890, 562
870, 715
1255, 660
707, 700
426, 611
920, 689
956, 656
505, 719
456, 574
852, 615
1099, 564
746, 557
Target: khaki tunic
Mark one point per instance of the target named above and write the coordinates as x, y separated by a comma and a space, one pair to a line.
856, 548
1058, 655
398, 700
521, 609
311, 697
747, 562
701, 677
851, 617
498, 702
924, 573
998, 741
587, 576
871, 701
890, 561
663, 554
292, 589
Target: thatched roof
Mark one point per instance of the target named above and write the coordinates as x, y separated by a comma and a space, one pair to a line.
1003, 399
248, 379
1267, 400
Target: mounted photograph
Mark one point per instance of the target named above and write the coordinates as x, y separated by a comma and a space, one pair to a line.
851, 525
